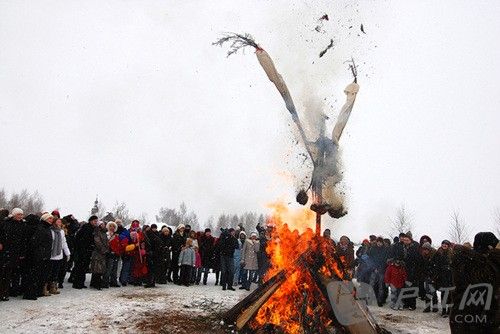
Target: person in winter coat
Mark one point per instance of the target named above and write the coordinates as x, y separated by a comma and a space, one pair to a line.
84, 246
166, 248
72, 226
153, 255
110, 278
207, 246
427, 277
119, 226
443, 274
59, 255
345, 250
363, 249
41, 247
238, 269
194, 273
409, 253
128, 247
139, 261
216, 260
395, 276
178, 242
228, 245
421, 289
476, 276
379, 255
99, 256
249, 261
28, 275
12, 254
186, 262
265, 236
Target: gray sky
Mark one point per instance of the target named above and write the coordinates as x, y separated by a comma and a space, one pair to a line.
129, 100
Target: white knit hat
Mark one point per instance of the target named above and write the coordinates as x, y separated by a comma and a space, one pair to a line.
180, 226
46, 216
17, 211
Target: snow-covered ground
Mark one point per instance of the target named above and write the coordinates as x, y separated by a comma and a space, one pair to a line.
164, 309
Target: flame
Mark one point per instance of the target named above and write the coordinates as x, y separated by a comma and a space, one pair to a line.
293, 247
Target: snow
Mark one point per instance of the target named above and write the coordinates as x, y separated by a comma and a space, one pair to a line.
164, 309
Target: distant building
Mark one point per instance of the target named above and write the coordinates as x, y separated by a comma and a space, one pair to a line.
95, 210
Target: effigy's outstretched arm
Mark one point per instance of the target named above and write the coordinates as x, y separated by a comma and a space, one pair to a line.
240, 41
351, 91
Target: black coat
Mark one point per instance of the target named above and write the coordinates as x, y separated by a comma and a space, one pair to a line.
379, 256
442, 267
153, 244
13, 238
41, 242
228, 244
84, 240
207, 248
178, 241
166, 247
410, 255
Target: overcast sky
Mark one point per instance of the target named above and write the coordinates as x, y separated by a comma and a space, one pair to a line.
129, 100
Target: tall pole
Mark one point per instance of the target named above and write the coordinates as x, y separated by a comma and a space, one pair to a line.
318, 224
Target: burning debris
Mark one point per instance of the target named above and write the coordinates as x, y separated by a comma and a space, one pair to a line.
323, 152
362, 29
319, 26
329, 46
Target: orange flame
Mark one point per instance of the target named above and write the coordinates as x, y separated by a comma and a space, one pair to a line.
299, 300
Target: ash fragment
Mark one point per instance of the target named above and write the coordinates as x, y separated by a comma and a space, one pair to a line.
322, 53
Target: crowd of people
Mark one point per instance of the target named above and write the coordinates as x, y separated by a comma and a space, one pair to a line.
38, 251
389, 269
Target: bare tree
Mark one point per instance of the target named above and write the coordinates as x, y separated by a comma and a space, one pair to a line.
403, 221
120, 211
143, 218
458, 230
30, 203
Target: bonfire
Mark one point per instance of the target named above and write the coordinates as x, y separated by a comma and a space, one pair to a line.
307, 289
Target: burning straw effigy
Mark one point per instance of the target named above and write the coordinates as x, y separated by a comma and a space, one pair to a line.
307, 289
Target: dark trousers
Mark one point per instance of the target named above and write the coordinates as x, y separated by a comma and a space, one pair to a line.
227, 271
62, 270
110, 277
175, 268
5, 275
18, 267
55, 266
125, 272
204, 271
82, 263
185, 274
152, 268
377, 284
248, 278
96, 281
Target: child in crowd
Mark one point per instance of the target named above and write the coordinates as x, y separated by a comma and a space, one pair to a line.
187, 261
395, 277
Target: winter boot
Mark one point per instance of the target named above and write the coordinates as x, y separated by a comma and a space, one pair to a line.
53, 288
45, 291
427, 309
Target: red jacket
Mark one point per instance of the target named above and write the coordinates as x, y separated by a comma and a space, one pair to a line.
395, 275
115, 245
